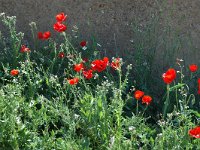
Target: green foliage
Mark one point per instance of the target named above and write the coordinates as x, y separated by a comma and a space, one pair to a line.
39, 109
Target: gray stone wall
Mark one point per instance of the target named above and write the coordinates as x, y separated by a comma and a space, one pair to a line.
110, 21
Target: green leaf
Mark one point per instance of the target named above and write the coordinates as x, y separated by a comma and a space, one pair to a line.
195, 113
176, 87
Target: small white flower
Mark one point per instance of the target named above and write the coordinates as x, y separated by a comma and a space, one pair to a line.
96, 76
2, 14
131, 128
160, 135
98, 45
18, 120
76, 116
84, 48
31, 103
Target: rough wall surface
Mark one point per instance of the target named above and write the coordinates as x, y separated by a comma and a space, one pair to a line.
110, 21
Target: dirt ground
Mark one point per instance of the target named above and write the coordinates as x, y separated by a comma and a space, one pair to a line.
111, 21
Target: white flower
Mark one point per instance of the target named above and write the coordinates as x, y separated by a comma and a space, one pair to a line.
131, 128
84, 48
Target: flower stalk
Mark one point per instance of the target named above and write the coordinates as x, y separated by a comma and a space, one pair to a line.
166, 101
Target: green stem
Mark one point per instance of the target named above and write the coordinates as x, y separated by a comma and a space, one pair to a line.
31, 90
137, 108
59, 66
120, 83
54, 61
68, 43
120, 107
181, 75
145, 110
191, 76
166, 101
177, 103
192, 95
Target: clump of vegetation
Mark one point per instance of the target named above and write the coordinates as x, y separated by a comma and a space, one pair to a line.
55, 95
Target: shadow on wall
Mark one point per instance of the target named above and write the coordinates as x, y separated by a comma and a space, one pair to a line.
158, 30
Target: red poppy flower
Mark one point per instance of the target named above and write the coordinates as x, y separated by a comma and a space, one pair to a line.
59, 27
138, 94
83, 43
40, 35
14, 72
198, 92
24, 49
61, 17
193, 68
115, 64
61, 55
198, 80
73, 81
88, 74
100, 65
44, 36
106, 60
195, 132
78, 67
169, 76
146, 99
96, 65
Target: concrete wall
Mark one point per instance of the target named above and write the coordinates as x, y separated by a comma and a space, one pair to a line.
110, 21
